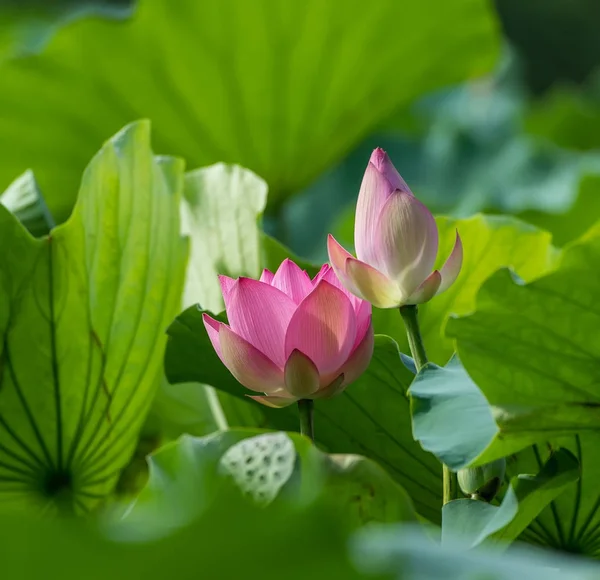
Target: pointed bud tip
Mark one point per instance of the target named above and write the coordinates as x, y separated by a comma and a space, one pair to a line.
383, 164
378, 158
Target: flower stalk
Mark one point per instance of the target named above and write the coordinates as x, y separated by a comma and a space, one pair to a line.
305, 410
415, 341
417, 349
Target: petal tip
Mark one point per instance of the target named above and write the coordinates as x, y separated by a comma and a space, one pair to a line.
453, 265
210, 321
378, 158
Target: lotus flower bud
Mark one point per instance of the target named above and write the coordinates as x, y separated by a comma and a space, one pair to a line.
396, 240
482, 482
291, 337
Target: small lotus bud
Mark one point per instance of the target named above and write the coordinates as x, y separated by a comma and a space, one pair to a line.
482, 482
396, 240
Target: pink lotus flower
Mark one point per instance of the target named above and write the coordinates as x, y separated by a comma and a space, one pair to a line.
291, 337
396, 241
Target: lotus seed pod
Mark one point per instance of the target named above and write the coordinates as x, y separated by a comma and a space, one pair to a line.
482, 482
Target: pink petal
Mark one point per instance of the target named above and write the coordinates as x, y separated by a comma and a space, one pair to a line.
212, 329
328, 274
292, 280
380, 159
427, 290
334, 388
362, 308
275, 402
360, 358
324, 269
406, 241
247, 364
451, 268
301, 375
338, 256
364, 313
374, 192
226, 285
266, 276
261, 313
323, 328
372, 285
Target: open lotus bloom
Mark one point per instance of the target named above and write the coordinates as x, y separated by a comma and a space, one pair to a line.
396, 240
291, 337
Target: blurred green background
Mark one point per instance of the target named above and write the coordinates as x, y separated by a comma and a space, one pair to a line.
488, 106
483, 106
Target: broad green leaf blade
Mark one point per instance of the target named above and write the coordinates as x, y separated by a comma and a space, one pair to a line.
222, 207
285, 89
81, 315
187, 476
371, 417
24, 200
534, 349
473, 522
443, 401
490, 242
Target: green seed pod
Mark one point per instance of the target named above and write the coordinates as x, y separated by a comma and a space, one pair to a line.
482, 482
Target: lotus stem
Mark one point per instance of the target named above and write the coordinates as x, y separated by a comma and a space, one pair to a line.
417, 349
305, 410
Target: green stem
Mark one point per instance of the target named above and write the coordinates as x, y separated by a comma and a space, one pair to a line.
415, 341
305, 410
417, 348
450, 484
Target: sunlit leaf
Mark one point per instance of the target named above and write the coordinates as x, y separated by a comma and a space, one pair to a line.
23, 199
285, 88
534, 349
81, 316
222, 207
